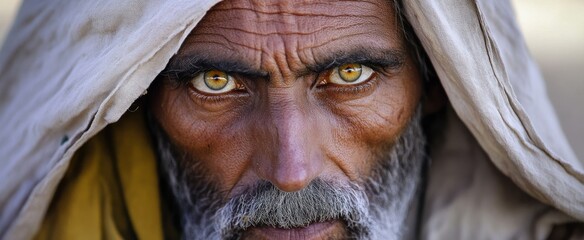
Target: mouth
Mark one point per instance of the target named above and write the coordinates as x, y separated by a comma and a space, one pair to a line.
322, 230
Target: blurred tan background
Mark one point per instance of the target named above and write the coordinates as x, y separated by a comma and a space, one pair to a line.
554, 31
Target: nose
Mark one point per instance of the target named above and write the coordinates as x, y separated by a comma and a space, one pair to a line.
295, 158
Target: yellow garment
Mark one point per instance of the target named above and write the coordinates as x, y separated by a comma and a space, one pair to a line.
111, 188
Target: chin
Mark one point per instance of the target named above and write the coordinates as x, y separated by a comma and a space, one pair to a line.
328, 230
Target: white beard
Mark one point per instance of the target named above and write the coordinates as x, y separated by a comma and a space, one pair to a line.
377, 210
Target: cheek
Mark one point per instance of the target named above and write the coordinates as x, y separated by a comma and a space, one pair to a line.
218, 143
364, 127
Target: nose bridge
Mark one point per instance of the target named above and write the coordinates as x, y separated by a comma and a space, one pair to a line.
295, 162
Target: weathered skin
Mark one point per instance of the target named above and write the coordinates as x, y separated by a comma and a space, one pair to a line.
289, 125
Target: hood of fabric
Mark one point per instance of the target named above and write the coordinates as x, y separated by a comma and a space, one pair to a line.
66, 76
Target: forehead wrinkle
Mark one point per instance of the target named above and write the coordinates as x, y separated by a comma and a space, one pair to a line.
280, 59
305, 7
278, 40
275, 33
290, 60
210, 30
266, 24
262, 13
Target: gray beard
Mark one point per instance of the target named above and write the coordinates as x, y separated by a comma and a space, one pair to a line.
375, 209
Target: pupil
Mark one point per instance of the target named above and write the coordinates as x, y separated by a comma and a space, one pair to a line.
350, 72
215, 80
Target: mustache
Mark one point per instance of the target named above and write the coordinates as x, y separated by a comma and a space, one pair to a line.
265, 205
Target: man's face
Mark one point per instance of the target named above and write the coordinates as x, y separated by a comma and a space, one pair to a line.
281, 95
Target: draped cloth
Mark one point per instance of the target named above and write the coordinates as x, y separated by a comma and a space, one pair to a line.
503, 170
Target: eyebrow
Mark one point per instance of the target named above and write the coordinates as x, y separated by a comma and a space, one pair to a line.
195, 63
189, 65
374, 57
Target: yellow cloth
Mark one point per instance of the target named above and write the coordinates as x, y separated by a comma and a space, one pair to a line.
111, 188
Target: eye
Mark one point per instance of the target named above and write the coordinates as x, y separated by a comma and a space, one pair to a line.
215, 82
350, 74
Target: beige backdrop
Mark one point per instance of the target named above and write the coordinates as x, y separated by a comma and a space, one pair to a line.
554, 31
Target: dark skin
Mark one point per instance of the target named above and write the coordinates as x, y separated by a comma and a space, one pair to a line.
285, 116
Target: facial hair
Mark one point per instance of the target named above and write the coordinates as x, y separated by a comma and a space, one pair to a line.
376, 209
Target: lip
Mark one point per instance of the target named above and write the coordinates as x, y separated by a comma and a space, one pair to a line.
321, 230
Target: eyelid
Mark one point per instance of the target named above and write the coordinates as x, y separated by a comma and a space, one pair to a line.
332, 77
209, 99
199, 83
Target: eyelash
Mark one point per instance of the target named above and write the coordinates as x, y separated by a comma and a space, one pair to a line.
352, 89
183, 78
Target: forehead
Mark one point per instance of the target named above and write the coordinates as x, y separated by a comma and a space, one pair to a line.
298, 32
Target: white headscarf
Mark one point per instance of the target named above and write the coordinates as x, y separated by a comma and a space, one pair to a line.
69, 68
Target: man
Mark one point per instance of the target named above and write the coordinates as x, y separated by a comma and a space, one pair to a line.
297, 120
304, 122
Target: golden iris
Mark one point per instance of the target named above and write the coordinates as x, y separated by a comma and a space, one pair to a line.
215, 79
350, 72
